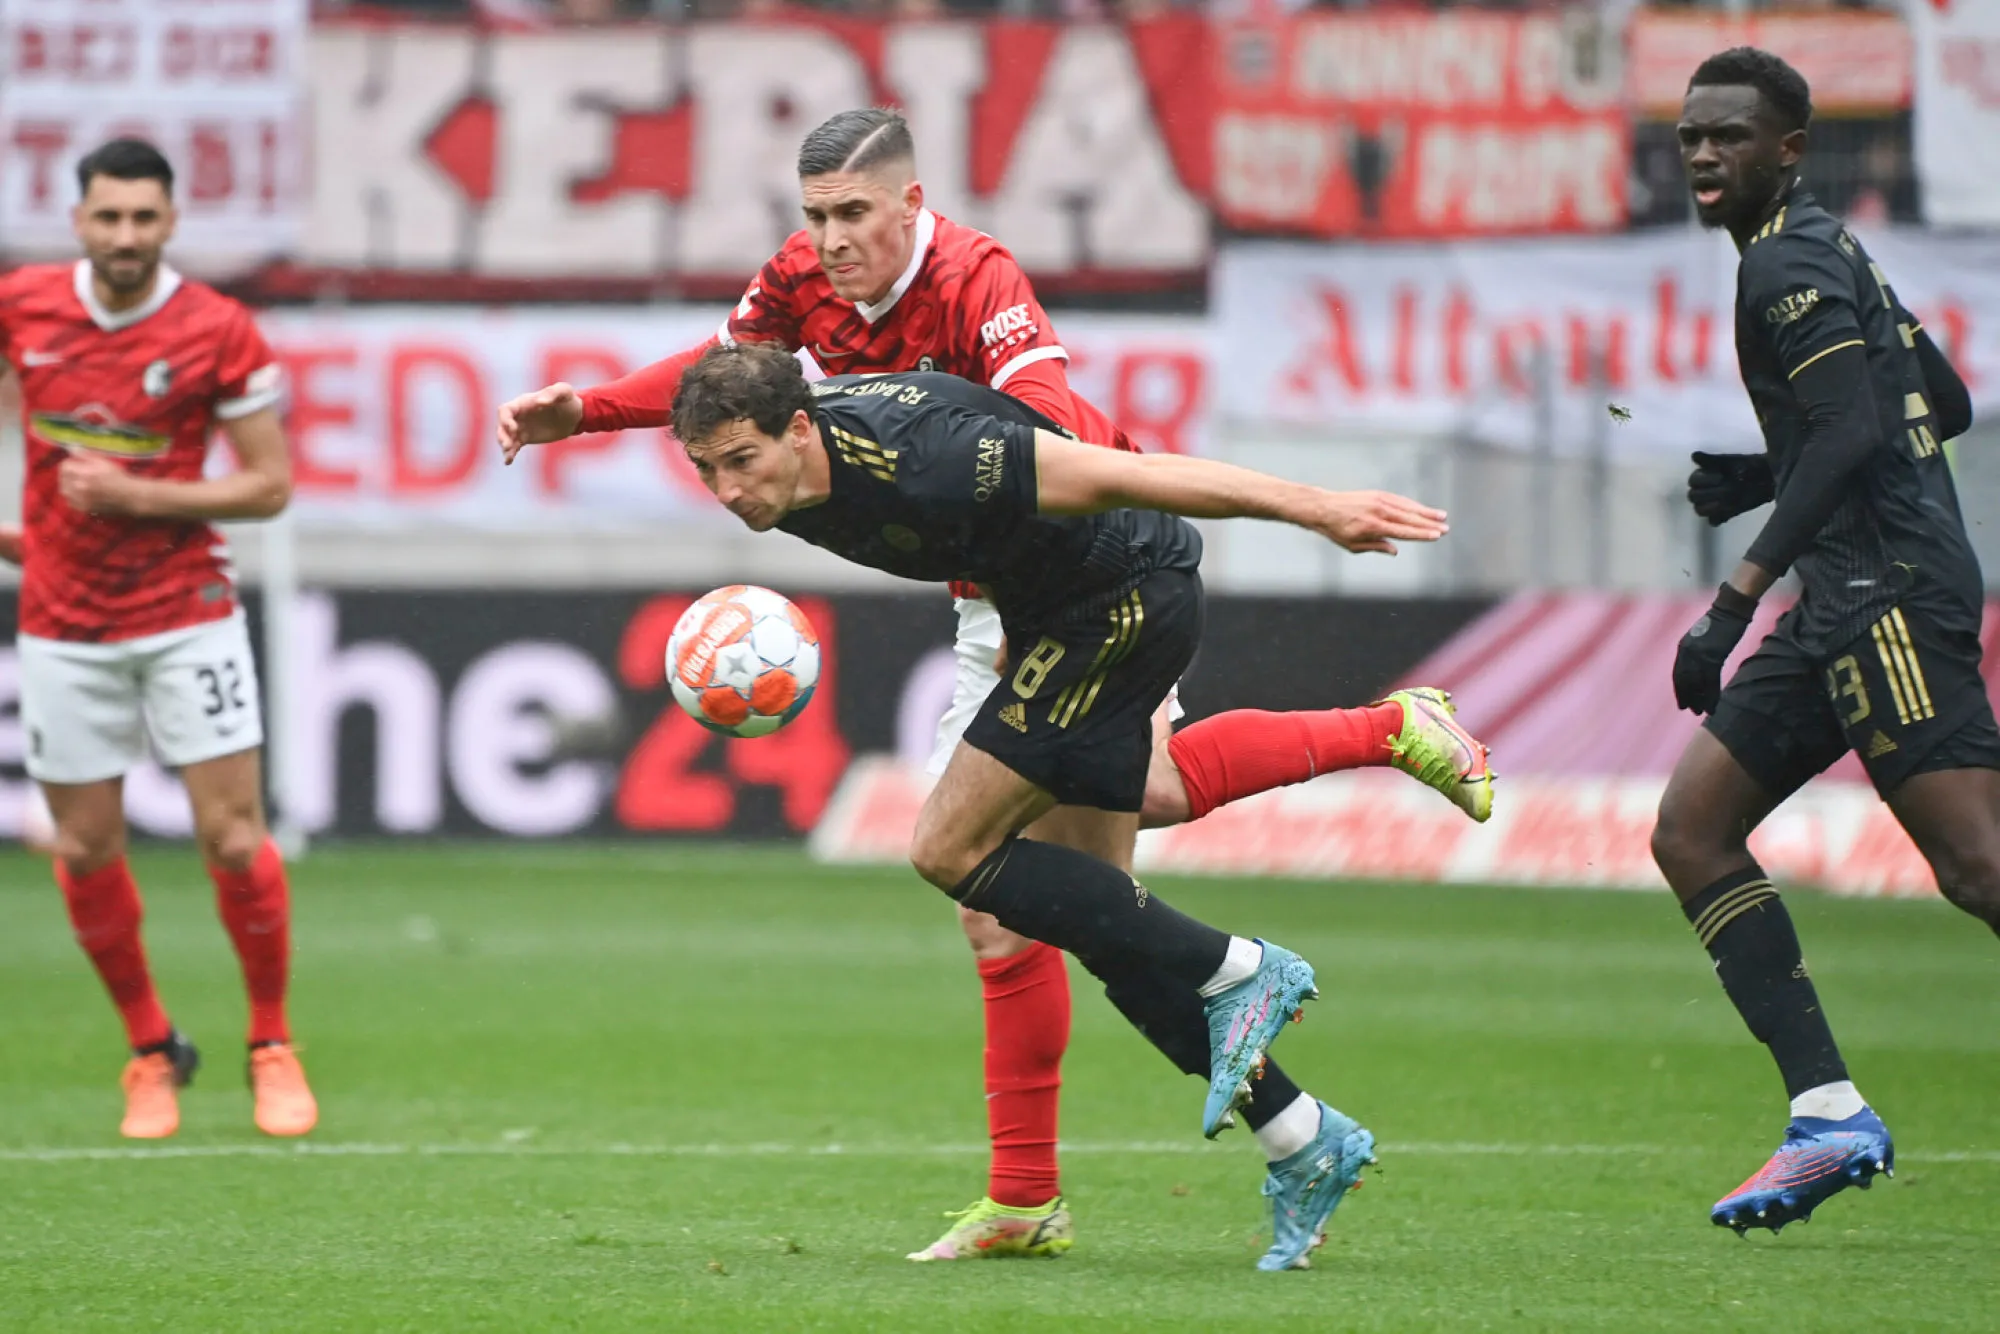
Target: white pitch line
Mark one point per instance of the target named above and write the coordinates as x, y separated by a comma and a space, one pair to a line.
310, 1149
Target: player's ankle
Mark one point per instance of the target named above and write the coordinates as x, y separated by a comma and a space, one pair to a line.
1834, 1101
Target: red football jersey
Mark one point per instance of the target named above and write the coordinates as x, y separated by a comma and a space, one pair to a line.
963, 306
145, 386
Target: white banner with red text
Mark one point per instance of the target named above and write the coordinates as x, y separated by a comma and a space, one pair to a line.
1958, 110
218, 84
1380, 825
392, 408
1625, 344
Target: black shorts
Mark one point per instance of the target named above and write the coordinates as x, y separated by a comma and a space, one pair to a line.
1907, 697
1073, 713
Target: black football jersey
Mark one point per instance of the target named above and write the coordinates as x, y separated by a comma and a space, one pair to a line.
1806, 288
933, 478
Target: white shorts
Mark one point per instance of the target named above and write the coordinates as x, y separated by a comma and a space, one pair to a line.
976, 649
88, 709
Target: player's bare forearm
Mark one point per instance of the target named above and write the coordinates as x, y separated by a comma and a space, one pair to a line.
1083, 479
260, 487
1074, 479
1751, 579
241, 495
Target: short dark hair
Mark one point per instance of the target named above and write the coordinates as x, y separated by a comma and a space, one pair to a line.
856, 141
125, 160
754, 382
1781, 87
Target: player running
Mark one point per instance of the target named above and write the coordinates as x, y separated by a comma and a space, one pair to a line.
1881, 653
877, 283
930, 477
129, 623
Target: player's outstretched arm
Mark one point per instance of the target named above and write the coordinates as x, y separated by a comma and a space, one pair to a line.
643, 398
1073, 478
260, 487
540, 418
10, 543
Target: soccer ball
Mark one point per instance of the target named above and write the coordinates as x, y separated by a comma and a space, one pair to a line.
743, 661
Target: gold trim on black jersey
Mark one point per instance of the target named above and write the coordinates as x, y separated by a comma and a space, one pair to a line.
1794, 371
864, 453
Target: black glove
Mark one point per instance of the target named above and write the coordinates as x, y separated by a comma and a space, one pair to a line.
1723, 486
1706, 647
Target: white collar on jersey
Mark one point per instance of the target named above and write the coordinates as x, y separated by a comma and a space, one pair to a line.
926, 229
165, 283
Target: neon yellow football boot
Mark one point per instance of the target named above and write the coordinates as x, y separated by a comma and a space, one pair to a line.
987, 1231
1438, 752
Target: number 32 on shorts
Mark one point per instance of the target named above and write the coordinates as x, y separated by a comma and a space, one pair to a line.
223, 687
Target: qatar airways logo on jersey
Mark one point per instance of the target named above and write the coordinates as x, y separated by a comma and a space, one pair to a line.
1791, 306
987, 472
1006, 325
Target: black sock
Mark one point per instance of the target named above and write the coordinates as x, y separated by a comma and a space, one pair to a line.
1170, 1015
1167, 1013
1270, 1093
1090, 908
1743, 925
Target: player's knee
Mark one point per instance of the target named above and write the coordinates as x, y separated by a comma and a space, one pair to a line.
989, 939
943, 859
1672, 843
1687, 847
84, 848
1970, 881
1166, 800
232, 843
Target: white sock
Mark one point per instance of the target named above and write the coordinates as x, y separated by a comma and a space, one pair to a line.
1290, 1130
1237, 966
1829, 1102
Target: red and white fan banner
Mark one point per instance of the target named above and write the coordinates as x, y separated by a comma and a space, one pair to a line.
392, 409
1856, 63
1504, 341
219, 85
1380, 825
1401, 123
1958, 110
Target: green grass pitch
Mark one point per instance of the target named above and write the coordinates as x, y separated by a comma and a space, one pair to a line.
643, 1088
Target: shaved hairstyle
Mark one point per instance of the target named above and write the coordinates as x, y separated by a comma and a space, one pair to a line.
857, 141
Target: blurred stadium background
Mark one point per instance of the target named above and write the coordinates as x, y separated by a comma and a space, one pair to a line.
1442, 248
1438, 247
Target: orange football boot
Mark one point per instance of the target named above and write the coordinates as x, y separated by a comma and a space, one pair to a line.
152, 1109
285, 1106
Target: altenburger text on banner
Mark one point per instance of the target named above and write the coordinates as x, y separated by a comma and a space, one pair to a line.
1462, 339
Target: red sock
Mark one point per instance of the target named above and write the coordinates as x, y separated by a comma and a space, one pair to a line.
1027, 1030
1236, 755
104, 908
256, 909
